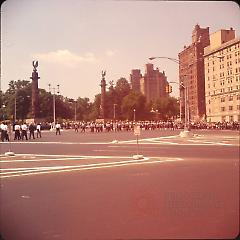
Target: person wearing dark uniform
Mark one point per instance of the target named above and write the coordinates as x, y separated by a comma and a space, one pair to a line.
31, 131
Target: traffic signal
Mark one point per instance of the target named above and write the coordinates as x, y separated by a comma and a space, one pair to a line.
168, 88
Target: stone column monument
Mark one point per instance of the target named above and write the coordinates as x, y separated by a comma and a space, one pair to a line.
103, 94
35, 92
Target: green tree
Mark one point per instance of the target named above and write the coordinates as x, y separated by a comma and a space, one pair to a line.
19, 92
167, 107
122, 88
134, 100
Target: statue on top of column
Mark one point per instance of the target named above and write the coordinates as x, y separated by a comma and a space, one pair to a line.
35, 65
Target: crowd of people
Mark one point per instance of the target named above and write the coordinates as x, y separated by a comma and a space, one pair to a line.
22, 131
26, 131
108, 126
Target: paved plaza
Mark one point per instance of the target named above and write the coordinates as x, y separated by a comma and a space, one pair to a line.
87, 186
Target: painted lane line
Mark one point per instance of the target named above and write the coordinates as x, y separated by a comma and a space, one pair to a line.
136, 162
65, 167
61, 167
67, 143
65, 158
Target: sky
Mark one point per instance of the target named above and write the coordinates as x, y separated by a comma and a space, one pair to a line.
75, 40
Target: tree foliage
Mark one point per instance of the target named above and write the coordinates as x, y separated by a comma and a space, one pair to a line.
119, 95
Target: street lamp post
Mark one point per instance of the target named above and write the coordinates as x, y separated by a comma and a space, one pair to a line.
54, 103
134, 114
15, 107
75, 111
181, 85
114, 111
114, 124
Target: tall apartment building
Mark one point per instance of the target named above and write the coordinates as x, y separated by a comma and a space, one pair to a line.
152, 84
135, 77
191, 74
222, 77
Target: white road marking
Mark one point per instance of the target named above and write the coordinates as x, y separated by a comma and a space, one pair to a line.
16, 172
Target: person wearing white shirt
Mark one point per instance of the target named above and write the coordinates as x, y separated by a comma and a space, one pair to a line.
4, 133
24, 131
58, 126
39, 130
17, 129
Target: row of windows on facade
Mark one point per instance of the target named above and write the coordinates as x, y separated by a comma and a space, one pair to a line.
230, 108
231, 118
222, 90
223, 83
229, 71
230, 98
229, 49
223, 109
229, 56
214, 77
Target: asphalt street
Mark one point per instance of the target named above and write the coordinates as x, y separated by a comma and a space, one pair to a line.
84, 186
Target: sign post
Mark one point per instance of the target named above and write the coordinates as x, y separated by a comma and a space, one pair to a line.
137, 132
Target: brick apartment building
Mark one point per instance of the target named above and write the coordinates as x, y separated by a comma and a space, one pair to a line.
152, 84
191, 74
135, 77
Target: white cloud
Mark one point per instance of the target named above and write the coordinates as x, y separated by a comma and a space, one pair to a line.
110, 53
65, 57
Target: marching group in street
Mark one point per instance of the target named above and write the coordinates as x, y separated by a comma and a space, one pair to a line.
119, 126
26, 131
20, 131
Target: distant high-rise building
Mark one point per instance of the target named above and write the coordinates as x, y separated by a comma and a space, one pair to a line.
222, 77
153, 83
191, 74
135, 77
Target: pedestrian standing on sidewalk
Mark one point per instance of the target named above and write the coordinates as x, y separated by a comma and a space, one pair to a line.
76, 127
39, 130
24, 128
31, 130
58, 126
17, 135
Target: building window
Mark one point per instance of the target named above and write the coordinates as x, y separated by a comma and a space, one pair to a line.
230, 108
223, 99
238, 97
222, 109
230, 98
238, 107
231, 118
223, 118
